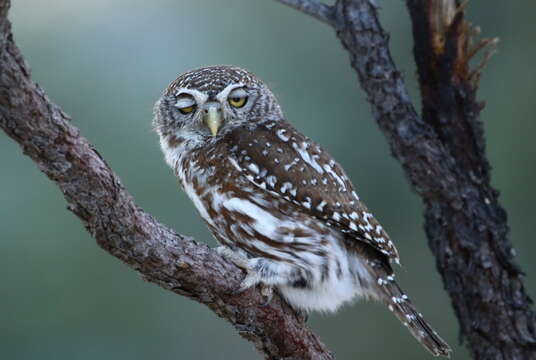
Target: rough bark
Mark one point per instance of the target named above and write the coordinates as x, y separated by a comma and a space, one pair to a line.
443, 155
95, 195
466, 225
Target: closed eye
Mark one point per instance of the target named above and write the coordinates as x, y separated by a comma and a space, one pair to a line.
187, 109
186, 105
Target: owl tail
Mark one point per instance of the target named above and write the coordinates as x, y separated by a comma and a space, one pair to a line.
406, 312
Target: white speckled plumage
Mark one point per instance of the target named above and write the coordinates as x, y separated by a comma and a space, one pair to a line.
275, 199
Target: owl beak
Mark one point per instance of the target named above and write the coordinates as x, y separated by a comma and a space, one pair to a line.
212, 117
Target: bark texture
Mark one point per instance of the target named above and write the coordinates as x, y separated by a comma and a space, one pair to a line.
443, 155
466, 226
95, 195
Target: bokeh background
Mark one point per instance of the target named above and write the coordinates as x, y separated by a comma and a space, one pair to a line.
106, 62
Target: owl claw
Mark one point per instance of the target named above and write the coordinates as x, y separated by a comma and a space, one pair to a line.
236, 258
252, 278
267, 292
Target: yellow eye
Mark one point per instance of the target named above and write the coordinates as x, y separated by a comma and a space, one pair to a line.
238, 102
187, 109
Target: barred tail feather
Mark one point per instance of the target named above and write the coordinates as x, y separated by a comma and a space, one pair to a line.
406, 312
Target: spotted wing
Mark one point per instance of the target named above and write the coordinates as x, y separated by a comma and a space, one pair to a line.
280, 160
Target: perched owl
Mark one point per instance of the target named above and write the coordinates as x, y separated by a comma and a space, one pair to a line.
281, 207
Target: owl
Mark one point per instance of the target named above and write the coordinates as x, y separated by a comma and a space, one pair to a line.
278, 204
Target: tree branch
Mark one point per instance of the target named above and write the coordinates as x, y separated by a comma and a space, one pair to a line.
473, 250
95, 195
443, 156
314, 8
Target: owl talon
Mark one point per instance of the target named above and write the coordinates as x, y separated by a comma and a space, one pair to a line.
236, 258
252, 278
268, 293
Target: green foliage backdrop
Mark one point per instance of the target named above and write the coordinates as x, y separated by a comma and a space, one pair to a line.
105, 63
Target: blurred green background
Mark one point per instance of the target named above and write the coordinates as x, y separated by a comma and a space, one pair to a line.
106, 62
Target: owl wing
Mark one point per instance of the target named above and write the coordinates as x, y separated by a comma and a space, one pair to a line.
278, 159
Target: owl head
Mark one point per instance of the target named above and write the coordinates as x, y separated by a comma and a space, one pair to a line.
203, 105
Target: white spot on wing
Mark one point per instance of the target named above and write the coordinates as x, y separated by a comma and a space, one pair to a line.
320, 207
294, 162
281, 134
308, 158
271, 180
286, 186
336, 216
330, 171
254, 168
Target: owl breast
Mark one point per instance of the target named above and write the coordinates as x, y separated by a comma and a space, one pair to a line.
308, 260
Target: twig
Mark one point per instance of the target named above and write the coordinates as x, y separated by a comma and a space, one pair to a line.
314, 8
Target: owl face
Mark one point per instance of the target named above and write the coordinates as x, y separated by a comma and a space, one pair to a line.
203, 105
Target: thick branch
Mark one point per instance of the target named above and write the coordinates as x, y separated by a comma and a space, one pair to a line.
472, 249
444, 159
95, 194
